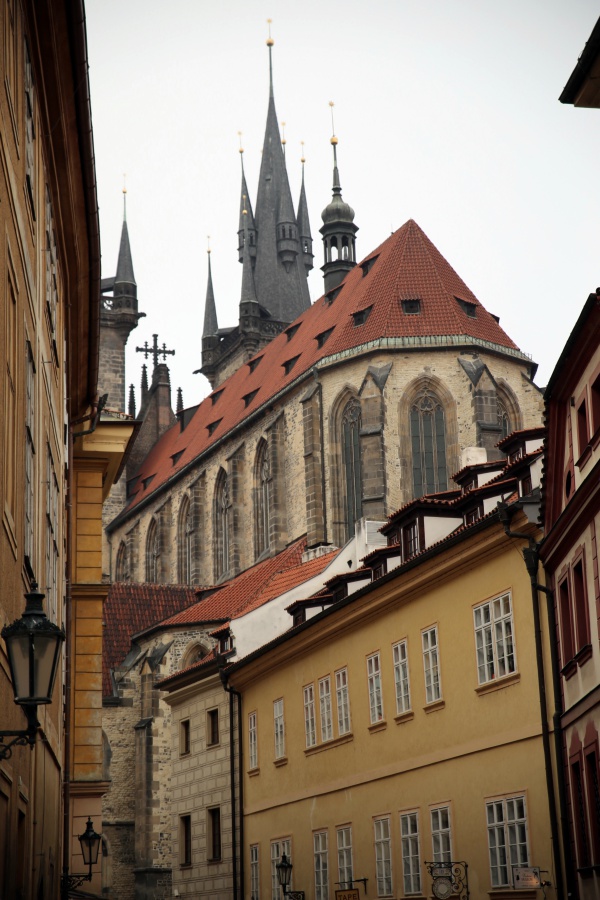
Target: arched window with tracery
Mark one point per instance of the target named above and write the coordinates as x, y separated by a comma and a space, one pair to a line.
153, 553
123, 572
428, 443
351, 464
503, 419
184, 542
262, 498
221, 520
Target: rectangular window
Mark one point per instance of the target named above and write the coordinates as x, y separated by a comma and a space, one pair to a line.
494, 639
596, 405
51, 269
310, 728
29, 537
279, 728
29, 130
592, 779
325, 708
433, 690
320, 845
582, 427
344, 852
400, 653
507, 838
411, 860
184, 737
374, 681
383, 857
254, 873
212, 727
566, 624
441, 838
185, 840
214, 833
582, 623
52, 537
343, 701
580, 815
278, 848
11, 422
411, 539
252, 741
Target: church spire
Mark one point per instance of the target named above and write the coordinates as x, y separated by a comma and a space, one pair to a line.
246, 217
338, 229
125, 284
210, 309
304, 223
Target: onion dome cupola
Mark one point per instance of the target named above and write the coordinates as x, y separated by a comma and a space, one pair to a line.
304, 225
339, 232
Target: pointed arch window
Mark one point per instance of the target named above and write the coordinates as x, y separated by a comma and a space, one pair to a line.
153, 553
262, 495
351, 464
503, 418
428, 440
122, 570
184, 542
222, 516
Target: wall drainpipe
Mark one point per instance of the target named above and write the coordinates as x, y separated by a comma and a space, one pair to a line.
532, 549
238, 893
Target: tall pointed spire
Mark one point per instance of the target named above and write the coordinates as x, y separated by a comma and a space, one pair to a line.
338, 229
246, 217
280, 278
125, 284
210, 309
248, 299
304, 223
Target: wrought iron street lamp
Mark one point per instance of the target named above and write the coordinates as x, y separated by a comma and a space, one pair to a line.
284, 876
90, 847
33, 645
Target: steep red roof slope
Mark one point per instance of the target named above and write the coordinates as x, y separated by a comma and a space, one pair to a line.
407, 266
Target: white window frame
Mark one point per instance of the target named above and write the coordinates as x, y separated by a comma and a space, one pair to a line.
401, 677
321, 864
344, 855
383, 856
278, 848
343, 701
375, 690
508, 837
254, 872
325, 710
252, 740
431, 664
411, 851
310, 725
494, 639
279, 728
441, 833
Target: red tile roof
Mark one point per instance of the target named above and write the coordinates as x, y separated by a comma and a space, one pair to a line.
407, 266
130, 608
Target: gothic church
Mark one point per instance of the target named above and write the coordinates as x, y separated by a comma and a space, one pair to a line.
321, 415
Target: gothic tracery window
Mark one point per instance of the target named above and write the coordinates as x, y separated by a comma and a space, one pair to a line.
351, 464
503, 418
122, 570
222, 516
184, 542
428, 442
153, 553
263, 484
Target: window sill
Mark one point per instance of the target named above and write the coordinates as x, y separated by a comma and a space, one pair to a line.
569, 669
252, 772
584, 458
584, 654
434, 706
213, 744
213, 860
282, 761
498, 683
185, 865
404, 717
378, 726
328, 745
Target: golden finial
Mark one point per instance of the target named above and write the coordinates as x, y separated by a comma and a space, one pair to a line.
270, 40
283, 140
334, 140
302, 159
208, 243
124, 183
240, 137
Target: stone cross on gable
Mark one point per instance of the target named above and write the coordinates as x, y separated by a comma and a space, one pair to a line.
155, 350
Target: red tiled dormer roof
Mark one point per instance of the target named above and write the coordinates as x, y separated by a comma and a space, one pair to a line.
406, 266
130, 608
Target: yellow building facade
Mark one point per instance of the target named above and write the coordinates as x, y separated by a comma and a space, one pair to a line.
377, 738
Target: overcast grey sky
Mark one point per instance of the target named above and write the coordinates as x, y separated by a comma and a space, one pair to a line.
446, 112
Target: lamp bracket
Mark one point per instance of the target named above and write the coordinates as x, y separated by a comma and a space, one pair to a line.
19, 738
71, 882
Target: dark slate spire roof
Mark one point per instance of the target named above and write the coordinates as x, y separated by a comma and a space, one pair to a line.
339, 232
246, 219
304, 227
366, 315
280, 276
210, 310
248, 294
125, 274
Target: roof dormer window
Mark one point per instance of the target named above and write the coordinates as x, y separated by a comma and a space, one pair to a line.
213, 426
254, 362
411, 306
332, 294
214, 397
368, 265
410, 539
248, 398
467, 307
289, 364
291, 331
321, 338
360, 317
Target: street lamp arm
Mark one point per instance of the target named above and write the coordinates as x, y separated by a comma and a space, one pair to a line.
20, 738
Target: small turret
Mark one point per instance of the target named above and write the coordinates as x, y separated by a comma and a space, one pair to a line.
338, 230
248, 240
304, 224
